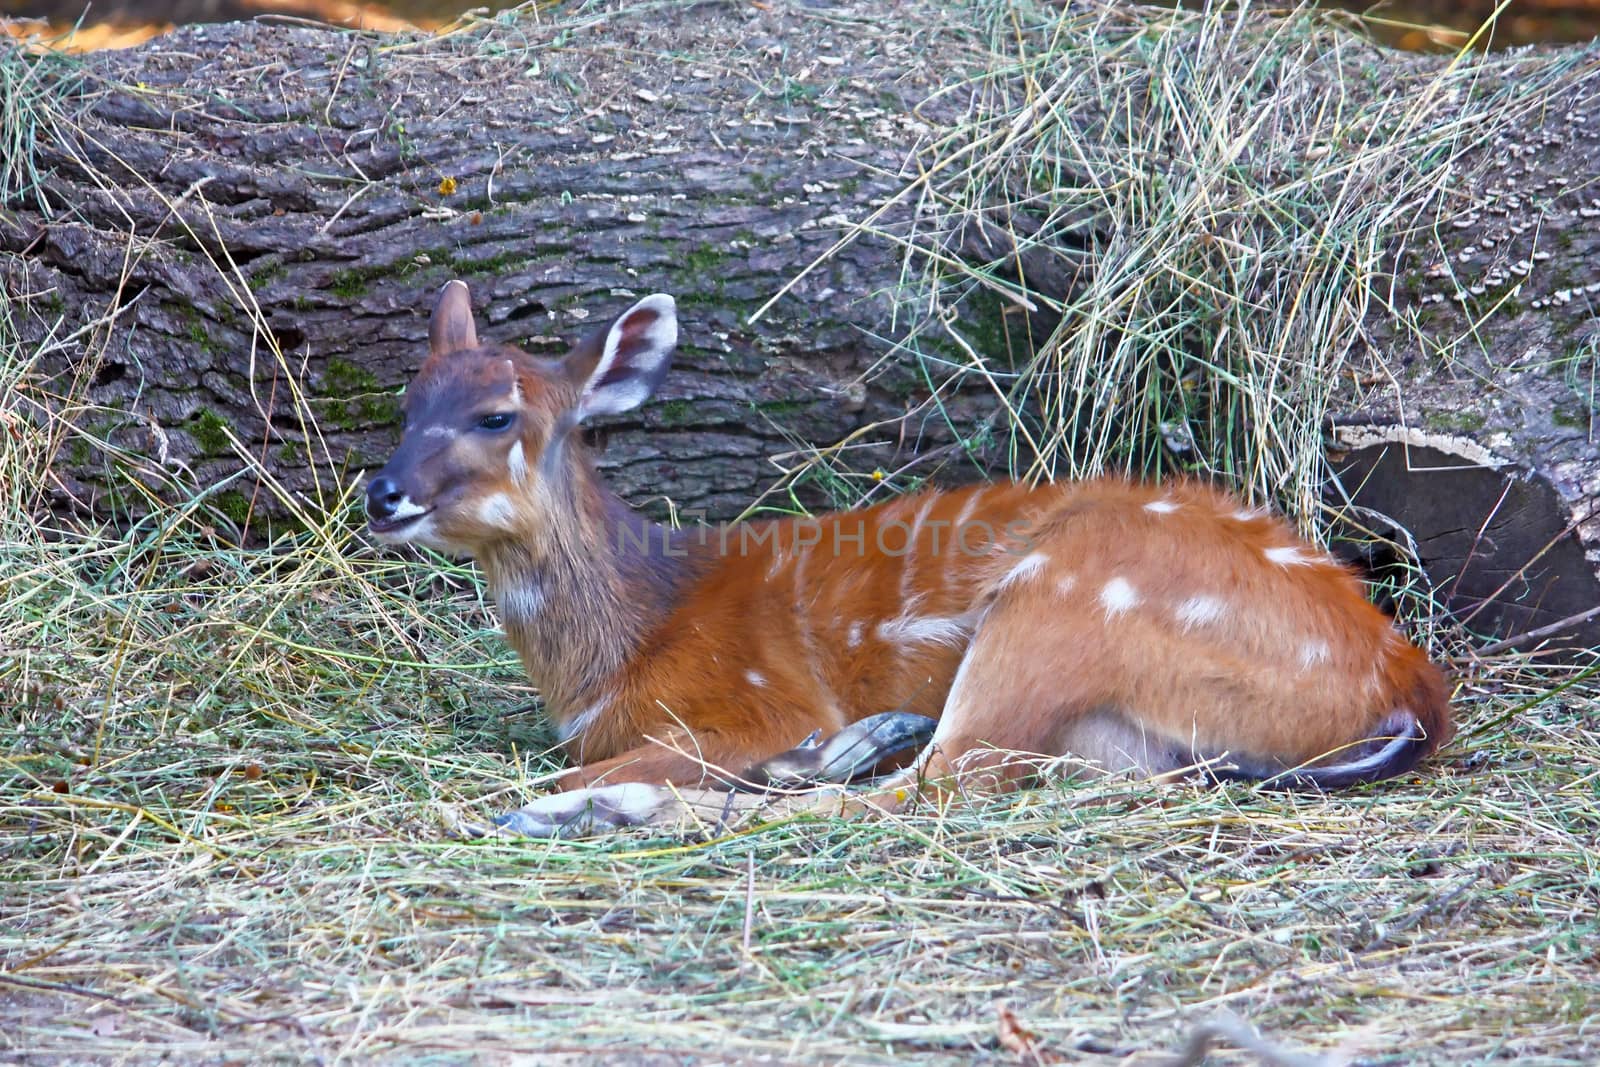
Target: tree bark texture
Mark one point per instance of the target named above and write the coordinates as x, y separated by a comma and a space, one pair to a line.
335, 186
232, 228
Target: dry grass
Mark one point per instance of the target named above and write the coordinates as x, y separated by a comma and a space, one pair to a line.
225, 773
1201, 210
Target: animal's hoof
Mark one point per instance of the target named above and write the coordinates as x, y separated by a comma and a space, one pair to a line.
847, 755
582, 812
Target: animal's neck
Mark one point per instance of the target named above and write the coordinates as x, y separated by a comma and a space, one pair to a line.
577, 600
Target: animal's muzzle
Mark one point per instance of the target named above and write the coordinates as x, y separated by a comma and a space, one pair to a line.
384, 498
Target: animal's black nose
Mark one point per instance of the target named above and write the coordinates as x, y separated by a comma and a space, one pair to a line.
383, 498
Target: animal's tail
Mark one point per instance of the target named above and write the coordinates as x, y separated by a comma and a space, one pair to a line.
1412, 732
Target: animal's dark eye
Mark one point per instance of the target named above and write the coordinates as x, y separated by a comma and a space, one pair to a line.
495, 422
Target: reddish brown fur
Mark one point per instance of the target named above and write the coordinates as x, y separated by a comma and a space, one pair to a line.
1129, 624
1233, 685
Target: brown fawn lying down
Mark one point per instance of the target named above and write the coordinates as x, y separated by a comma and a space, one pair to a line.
1146, 629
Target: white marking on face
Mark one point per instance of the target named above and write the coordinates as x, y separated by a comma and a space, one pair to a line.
580, 723
517, 464
952, 630
1313, 653
755, 678
420, 532
516, 384
1288, 556
443, 432
854, 639
497, 511
1028, 567
1118, 596
405, 509
1162, 506
1199, 610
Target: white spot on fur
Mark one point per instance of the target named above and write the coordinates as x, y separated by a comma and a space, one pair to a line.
497, 511
1199, 610
1313, 653
953, 630
517, 464
1248, 514
854, 639
1030, 565
1066, 584
444, 432
579, 723
1162, 506
755, 678
1288, 556
1118, 596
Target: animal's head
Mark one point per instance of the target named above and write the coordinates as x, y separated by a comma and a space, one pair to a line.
486, 424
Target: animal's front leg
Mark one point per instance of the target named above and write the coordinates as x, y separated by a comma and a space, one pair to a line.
663, 786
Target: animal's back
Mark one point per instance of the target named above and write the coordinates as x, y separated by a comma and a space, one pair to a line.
1211, 626
1214, 626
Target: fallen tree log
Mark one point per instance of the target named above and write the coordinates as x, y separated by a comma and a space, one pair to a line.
223, 245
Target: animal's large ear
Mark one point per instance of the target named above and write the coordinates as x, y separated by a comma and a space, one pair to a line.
451, 327
618, 368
